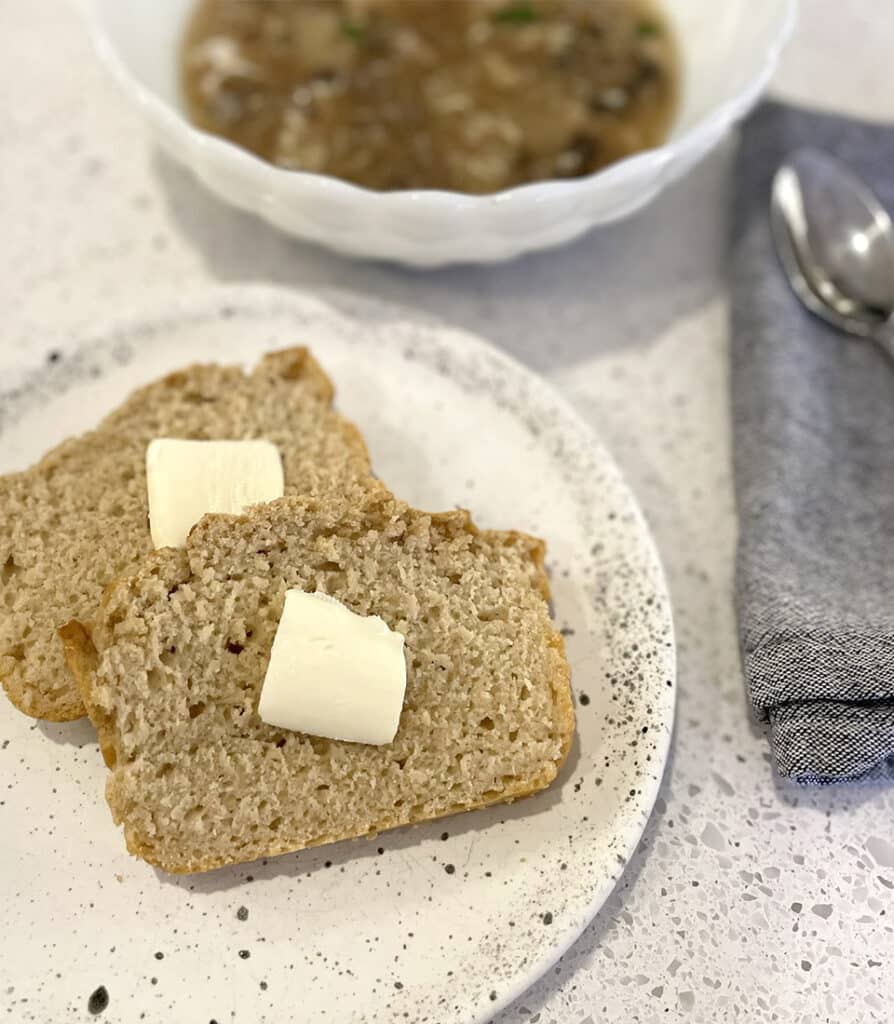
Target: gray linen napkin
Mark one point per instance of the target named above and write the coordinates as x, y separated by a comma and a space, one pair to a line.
813, 418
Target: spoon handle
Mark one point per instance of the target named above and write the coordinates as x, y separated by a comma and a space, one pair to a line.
884, 335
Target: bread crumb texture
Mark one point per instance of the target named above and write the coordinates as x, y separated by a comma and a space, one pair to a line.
78, 519
173, 672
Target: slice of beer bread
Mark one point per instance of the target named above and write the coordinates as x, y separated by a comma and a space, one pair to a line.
78, 519
172, 671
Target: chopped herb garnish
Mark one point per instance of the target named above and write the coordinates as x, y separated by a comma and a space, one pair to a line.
647, 29
353, 31
516, 14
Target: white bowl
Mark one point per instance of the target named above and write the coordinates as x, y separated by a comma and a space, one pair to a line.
729, 48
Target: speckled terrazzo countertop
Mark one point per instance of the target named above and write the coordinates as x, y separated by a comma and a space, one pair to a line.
745, 901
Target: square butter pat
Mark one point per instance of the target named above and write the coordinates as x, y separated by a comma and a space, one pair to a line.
186, 479
334, 673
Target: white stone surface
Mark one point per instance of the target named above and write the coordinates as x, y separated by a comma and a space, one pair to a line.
746, 901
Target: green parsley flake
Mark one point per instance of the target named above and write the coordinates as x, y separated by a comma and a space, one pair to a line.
516, 14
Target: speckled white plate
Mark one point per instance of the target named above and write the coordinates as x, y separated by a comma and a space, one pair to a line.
443, 923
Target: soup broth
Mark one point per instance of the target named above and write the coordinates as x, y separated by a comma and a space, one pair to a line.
467, 95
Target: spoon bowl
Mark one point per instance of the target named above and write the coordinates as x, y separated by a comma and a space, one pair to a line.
836, 244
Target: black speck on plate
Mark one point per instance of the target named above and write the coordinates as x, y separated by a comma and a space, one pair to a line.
98, 1000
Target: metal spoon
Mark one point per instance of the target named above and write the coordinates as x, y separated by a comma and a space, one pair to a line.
836, 243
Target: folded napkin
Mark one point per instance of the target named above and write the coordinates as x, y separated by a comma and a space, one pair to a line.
813, 418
